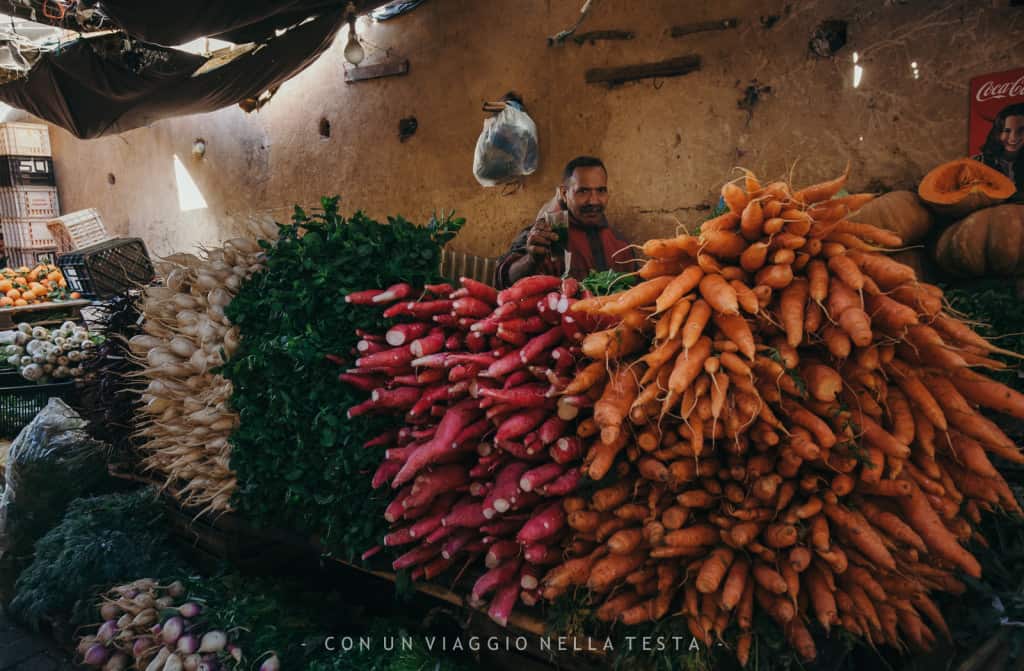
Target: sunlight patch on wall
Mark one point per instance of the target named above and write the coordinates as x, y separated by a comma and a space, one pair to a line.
189, 196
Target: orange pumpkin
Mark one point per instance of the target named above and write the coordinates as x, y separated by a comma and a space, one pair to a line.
957, 188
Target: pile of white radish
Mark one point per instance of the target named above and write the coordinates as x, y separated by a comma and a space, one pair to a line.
150, 627
186, 420
41, 355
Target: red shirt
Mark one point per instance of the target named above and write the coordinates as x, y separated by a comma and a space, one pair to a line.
597, 247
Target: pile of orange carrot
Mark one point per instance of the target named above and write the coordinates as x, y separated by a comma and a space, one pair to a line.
788, 420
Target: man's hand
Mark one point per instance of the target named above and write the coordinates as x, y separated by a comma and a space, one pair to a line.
540, 239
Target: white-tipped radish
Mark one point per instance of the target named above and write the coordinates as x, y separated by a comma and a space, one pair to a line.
213, 641
96, 655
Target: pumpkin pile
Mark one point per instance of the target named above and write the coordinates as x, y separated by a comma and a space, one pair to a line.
30, 286
785, 421
988, 238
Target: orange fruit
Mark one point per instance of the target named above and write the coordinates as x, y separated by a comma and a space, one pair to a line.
62, 283
5, 286
13, 294
75, 295
36, 287
54, 276
20, 302
6, 302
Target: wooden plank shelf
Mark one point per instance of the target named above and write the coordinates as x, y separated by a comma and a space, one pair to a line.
43, 313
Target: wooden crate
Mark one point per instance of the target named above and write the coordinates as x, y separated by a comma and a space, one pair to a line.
43, 314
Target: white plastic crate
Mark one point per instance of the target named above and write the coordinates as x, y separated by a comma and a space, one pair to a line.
27, 234
24, 139
17, 257
77, 230
29, 202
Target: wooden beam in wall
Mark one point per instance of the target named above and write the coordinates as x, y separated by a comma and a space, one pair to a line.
703, 27
673, 67
359, 74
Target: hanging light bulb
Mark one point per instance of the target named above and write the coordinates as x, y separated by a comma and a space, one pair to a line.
354, 52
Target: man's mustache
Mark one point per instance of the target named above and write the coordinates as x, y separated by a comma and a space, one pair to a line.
591, 208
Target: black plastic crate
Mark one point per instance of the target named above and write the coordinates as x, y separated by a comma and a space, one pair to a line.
27, 171
21, 400
106, 269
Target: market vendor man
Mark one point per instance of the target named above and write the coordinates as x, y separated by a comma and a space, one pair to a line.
592, 243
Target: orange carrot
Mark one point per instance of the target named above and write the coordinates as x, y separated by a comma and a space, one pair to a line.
590, 376
610, 569
612, 343
823, 191
689, 365
734, 197
769, 578
676, 317
656, 267
640, 295
723, 222
671, 248
752, 220
735, 584
714, 569
791, 310
843, 267
698, 318
923, 519
678, 287
736, 329
988, 393
753, 257
776, 277
699, 534
722, 244
745, 296
719, 294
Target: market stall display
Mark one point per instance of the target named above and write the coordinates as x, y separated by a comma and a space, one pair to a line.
186, 418
987, 242
41, 355
900, 212
25, 286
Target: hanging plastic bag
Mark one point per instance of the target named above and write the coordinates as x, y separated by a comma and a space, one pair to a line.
507, 147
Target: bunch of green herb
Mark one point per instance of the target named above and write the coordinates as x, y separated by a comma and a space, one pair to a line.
604, 282
997, 314
299, 461
101, 541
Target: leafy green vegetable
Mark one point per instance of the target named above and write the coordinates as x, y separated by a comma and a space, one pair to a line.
997, 314
101, 541
300, 462
604, 282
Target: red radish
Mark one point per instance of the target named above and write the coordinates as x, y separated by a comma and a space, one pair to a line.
432, 484
439, 289
464, 323
453, 343
421, 310
476, 342
439, 534
535, 477
497, 576
569, 406
429, 344
396, 508
503, 603
529, 325
472, 432
395, 292
506, 486
459, 540
535, 284
367, 347
335, 359
363, 297
498, 413
432, 520
564, 485
520, 377
530, 597
512, 338
429, 397
437, 567
416, 556
172, 630
430, 375
487, 326
504, 526
501, 551
547, 308
485, 359
503, 366
526, 396
544, 524
540, 554
385, 472
372, 552
396, 399
467, 513
271, 663
479, 290
447, 321
566, 450
401, 536
552, 429
488, 465
471, 307
389, 358
439, 360
389, 437
361, 382
520, 424
535, 348
465, 372
400, 334
521, 451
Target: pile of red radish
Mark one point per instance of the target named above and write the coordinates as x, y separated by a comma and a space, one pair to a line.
487, 449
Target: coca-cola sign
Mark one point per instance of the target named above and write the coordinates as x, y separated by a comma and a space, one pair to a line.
995, 90
993, 96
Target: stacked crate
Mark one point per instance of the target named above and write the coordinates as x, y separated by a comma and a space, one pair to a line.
28, 194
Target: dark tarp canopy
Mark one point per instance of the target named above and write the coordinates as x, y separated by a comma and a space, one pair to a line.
92, 88
173, 22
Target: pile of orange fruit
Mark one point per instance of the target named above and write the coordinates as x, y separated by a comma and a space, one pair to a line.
31, 286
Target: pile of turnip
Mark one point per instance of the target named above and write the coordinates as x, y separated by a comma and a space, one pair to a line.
151, 627
43, 355
186, 420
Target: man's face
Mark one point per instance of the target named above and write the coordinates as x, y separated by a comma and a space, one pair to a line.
1012, 135
586, 195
